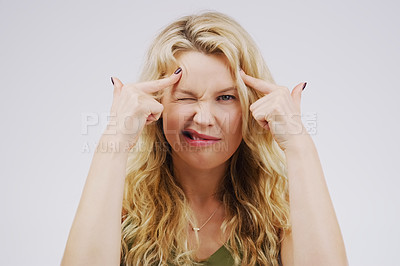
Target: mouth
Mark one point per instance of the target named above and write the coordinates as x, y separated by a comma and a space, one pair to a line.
196, 139
194, 135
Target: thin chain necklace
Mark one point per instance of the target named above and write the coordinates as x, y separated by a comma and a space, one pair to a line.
197, 229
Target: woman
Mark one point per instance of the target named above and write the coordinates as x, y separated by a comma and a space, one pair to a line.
202, 157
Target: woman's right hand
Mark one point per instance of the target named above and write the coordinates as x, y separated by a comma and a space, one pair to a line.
133, 107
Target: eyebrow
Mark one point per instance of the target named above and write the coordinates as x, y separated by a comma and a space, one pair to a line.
189, 92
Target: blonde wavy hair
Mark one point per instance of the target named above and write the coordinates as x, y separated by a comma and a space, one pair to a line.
255, 188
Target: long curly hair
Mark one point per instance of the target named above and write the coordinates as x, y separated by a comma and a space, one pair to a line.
255, 188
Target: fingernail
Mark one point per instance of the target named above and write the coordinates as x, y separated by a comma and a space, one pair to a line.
178, 70
112, 80
305, 84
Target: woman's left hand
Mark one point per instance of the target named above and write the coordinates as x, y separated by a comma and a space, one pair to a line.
278, 111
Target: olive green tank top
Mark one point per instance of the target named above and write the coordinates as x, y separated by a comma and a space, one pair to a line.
221, 257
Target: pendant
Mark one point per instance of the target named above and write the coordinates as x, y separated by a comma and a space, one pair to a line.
196, 229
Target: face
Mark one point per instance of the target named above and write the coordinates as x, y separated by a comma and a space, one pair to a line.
202, 115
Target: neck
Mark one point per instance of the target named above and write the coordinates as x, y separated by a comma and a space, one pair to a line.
201, 186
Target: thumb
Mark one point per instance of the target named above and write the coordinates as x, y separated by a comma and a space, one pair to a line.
296, 94
117, 85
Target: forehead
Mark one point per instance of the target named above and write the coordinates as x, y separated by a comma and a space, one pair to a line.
204, 72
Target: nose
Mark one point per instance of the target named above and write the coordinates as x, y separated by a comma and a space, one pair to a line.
203, 115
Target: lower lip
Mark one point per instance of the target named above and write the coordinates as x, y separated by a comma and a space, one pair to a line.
199, 143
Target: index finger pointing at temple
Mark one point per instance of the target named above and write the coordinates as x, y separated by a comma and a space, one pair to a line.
156, 85
258, 84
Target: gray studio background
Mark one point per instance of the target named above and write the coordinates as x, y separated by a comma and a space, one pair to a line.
56, 59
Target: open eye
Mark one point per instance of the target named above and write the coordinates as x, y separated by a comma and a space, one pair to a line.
226, 97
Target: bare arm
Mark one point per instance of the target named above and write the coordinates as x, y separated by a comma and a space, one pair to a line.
316, 238
95, 236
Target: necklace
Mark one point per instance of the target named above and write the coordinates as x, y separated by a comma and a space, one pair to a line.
197, 229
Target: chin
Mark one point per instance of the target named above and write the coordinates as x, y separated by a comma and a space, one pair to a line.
201, 159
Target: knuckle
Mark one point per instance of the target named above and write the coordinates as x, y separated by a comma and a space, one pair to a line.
135, 99
276, 110
281, 96
260, 116
160, 106
284, 89
142, 109
252, 106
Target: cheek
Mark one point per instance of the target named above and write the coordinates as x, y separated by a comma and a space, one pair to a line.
232, 122
171, 124
174, 118
236, 125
